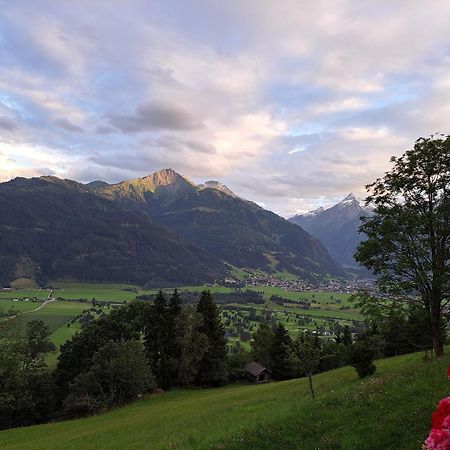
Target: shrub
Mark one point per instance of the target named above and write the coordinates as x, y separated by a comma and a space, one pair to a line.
361, 358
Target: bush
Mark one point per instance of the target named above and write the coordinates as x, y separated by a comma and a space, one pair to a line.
362, 355
119, 374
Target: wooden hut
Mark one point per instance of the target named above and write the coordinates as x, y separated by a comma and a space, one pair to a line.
256, 372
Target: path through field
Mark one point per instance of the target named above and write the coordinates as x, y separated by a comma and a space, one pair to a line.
41, 305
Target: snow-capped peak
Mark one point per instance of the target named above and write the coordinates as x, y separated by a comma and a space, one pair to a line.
352, 198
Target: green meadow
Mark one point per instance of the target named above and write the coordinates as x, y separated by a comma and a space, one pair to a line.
390, 410
325, 306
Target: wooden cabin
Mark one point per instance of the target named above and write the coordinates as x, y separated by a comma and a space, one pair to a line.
256, 372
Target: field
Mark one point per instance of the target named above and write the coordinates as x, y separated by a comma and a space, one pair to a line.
390, 410
327, 310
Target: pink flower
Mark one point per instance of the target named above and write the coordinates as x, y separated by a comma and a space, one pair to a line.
438, 440
446, 423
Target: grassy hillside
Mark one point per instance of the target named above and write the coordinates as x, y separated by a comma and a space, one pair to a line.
390, 410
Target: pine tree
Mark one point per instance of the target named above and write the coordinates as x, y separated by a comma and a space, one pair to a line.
173, 341
282, 364
156, 332
213, 365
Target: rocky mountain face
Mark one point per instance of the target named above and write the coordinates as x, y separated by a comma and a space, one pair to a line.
53, 229
336, 227
231, 229
218, 187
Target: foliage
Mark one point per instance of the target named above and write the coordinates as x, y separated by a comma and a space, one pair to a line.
26, 391
77, 354
408, 237
362, 354
262, 344
281, 355
213, 365
119, 373
268, 416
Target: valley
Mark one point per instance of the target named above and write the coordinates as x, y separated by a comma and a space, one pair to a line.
321, 312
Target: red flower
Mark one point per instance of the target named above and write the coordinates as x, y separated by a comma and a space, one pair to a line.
444, 406
437, 420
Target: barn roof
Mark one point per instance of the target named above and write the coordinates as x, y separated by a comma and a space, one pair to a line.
255, 369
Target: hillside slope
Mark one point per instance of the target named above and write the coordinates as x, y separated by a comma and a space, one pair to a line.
231, 229
52, 228
390, 410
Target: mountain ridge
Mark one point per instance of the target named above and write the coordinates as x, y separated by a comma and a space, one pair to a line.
337, 227
231, 229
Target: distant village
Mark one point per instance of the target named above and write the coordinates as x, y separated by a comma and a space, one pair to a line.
341, 286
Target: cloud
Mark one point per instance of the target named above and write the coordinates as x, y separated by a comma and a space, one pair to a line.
154, 116
291, 103
7, 124
68, 126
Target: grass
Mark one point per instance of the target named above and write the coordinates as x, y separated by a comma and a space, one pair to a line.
390, 410
20, 306
319, 297
24, 293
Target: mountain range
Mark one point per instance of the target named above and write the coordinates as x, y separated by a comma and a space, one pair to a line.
156, 230
337, 227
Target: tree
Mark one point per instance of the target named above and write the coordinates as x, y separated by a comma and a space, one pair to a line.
362, 354
347, 336
281, 355
213, 365
408, 236
26, 392
77, 353
174, 344
262, 344
37, 341
307, 359
192, 344
119, 373
156, 340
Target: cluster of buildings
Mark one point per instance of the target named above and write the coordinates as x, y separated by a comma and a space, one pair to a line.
342, 286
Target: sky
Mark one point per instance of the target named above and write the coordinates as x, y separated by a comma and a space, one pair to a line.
291, 103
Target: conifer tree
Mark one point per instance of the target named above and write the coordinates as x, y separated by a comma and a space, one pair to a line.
282, 364
156, 340
213, 365
175, 329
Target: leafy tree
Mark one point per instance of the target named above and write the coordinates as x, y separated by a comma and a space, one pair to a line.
192, 345
281, 356
119, 373
77, 353
37, 340
408, 236
307, 359
347, 336
26, 390
213, 365
262, 344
